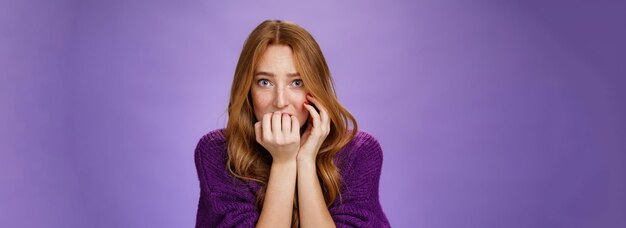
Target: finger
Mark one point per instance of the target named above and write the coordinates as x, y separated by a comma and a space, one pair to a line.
267, 128
313, 114
317, 104
276, 129
295, 125
324, 118
323, 112
286, 123
257, 131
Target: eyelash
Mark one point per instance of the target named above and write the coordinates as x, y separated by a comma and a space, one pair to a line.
297, 80
261, 80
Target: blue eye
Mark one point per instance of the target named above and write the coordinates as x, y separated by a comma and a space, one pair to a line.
297, 83
264, 82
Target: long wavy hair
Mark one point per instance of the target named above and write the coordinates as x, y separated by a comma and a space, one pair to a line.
247, 159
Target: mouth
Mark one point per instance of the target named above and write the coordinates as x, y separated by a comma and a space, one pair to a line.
285, 113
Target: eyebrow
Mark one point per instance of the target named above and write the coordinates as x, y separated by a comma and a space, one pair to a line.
272, 75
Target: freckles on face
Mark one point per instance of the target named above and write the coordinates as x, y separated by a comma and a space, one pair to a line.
277, 86
262, 102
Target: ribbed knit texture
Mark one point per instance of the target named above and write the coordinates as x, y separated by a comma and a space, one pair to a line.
226, 201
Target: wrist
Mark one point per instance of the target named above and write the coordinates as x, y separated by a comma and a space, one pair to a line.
284, 155
306, 159
283, 164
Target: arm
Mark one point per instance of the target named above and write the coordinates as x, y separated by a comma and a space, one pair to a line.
360, 205
223, 202
278, 205
313, 210
312, 206
275, 133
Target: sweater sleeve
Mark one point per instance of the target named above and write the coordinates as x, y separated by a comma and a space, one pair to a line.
359, 205
224, 202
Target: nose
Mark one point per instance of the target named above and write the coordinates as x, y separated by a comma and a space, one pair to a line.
280, 100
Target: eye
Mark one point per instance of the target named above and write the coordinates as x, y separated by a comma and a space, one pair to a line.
297, 83
264, 82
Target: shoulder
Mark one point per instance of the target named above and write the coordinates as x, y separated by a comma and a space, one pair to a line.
213, 138
364, 147
364, 142
211, 144
364, 139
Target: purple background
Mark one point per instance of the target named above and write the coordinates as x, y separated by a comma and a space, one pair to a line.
490, 113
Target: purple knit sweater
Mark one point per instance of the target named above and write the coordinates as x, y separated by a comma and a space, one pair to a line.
229, 202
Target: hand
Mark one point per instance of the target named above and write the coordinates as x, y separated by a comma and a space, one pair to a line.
280, 135
316, 132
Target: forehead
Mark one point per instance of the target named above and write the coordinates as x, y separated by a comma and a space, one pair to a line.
277, 59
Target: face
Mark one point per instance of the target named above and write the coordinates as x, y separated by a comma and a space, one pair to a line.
277, 85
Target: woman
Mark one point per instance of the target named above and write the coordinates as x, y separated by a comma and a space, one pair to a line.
287, 156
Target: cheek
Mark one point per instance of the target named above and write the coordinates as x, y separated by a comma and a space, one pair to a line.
303, 114
261, 104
